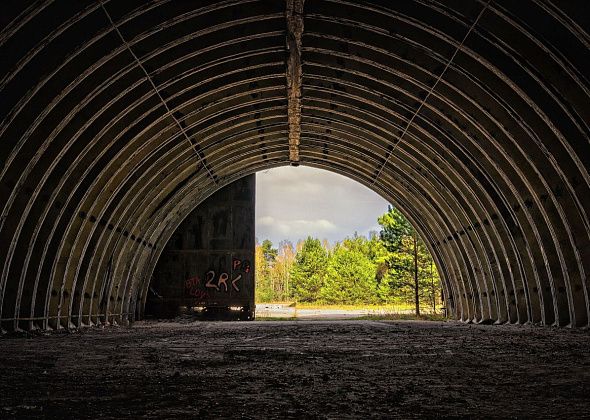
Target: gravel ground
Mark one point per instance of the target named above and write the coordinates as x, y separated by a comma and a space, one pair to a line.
298, 369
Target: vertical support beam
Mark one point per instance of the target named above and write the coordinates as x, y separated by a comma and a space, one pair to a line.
294, 18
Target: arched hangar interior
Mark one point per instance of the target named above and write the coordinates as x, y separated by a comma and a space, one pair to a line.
119, 117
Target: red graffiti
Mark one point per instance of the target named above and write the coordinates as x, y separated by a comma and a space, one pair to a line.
192, 282
200, 294
192, 287
243, 265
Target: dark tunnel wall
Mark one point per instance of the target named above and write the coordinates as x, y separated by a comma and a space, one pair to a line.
119, 117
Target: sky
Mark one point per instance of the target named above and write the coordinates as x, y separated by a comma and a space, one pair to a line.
295, 202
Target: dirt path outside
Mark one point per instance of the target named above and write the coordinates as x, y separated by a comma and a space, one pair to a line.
282, 311
270, 311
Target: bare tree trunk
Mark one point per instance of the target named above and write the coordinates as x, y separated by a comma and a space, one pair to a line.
433, 289
416, 291
272, 282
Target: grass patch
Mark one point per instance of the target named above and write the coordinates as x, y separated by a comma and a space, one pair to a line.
396, 307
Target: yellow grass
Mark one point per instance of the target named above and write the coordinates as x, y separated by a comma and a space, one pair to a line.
386, 308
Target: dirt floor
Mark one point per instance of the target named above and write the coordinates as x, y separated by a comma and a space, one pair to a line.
298, 369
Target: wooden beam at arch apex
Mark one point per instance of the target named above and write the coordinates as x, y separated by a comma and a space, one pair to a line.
294, 18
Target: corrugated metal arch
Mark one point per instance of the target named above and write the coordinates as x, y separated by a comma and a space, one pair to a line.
118, 118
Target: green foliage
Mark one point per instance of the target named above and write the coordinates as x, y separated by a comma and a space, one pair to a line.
410, 271
350, 274
264, 292
273, 268
309, 271
395, 227
391, 267
270, 253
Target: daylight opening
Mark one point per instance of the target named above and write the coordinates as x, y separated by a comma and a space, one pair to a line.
329, 247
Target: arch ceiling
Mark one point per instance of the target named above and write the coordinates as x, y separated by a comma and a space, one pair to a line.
119, 117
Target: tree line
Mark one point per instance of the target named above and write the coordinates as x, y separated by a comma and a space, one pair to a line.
392, 266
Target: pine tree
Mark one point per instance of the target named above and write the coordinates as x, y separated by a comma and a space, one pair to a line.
350, 274
409, 262
270, 253
309, 271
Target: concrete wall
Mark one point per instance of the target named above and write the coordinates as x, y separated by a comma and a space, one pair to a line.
209, 260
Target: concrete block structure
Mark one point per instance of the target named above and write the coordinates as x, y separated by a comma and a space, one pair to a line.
207, 267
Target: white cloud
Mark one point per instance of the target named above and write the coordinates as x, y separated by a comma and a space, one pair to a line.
265, 220
283, 228
300, 227
293, 203
320, 224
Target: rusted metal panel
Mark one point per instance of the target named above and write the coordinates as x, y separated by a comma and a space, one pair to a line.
294, 19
